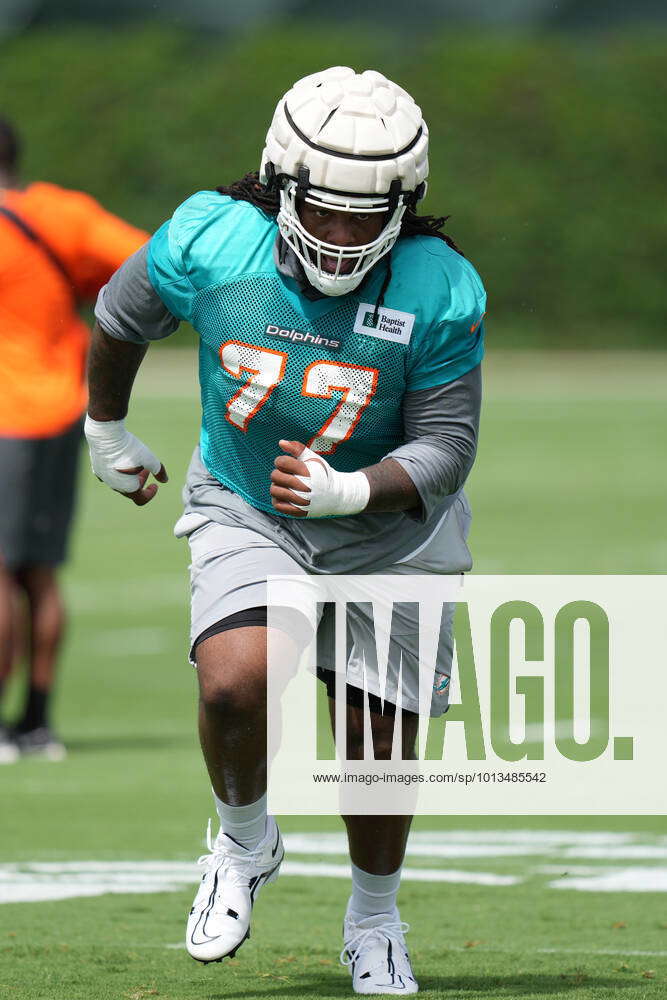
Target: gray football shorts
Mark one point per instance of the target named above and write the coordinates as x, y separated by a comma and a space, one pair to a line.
37, 497
228, 571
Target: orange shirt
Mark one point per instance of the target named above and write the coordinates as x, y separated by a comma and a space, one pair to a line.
43, 342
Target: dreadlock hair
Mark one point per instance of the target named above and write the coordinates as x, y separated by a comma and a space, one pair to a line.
9, 146
249, 188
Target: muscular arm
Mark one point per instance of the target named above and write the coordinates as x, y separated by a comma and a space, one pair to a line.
391, 487
112, 366
129, 315
131, 311
441, 429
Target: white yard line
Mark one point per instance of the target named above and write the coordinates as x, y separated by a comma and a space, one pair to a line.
309, 853
634, 879
604, 846
408, 874
631, 852
49, 882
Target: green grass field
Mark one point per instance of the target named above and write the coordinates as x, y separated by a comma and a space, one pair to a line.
570, 478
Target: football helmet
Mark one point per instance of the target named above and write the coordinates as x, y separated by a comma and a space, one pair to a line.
346, 142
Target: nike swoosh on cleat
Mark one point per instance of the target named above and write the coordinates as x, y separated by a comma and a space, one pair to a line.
273, 852
230, 954
207, 939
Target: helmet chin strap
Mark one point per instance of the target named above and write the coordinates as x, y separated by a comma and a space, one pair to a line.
302, 182
394, 195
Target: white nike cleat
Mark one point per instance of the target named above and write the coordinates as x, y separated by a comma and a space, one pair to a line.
376, 954
219, 920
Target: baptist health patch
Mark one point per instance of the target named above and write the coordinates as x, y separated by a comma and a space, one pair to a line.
392, 324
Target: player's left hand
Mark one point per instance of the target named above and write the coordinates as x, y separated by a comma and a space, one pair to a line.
303, 484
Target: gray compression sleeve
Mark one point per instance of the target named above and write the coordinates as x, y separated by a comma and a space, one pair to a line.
441, 427
129, 308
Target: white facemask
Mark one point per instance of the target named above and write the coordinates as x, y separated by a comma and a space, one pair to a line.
310, 250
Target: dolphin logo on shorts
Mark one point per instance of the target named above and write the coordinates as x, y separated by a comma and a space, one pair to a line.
440, 683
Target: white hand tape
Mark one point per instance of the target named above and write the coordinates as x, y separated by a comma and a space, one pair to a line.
332, 492
112, 447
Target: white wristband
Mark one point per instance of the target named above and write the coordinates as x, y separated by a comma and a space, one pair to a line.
112, 447
331, 492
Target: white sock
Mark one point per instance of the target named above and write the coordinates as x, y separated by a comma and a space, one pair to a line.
372, 894
246, 824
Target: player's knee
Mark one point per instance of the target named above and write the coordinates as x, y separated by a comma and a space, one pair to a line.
232, 703
234, 694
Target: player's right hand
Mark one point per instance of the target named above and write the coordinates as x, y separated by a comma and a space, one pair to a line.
122, 461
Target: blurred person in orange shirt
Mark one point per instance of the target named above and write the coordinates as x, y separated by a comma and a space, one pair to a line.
57, 249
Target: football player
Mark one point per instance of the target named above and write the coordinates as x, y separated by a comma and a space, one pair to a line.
340, 344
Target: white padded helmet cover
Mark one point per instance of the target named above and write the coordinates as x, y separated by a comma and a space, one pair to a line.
338, 111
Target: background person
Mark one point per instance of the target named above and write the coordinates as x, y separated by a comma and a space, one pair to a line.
57, 248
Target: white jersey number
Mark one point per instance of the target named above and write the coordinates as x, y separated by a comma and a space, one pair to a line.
263, 369
321, 379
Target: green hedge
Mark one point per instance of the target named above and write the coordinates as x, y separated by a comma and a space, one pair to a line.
547, 151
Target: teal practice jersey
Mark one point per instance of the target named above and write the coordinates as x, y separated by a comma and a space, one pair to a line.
330, 372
